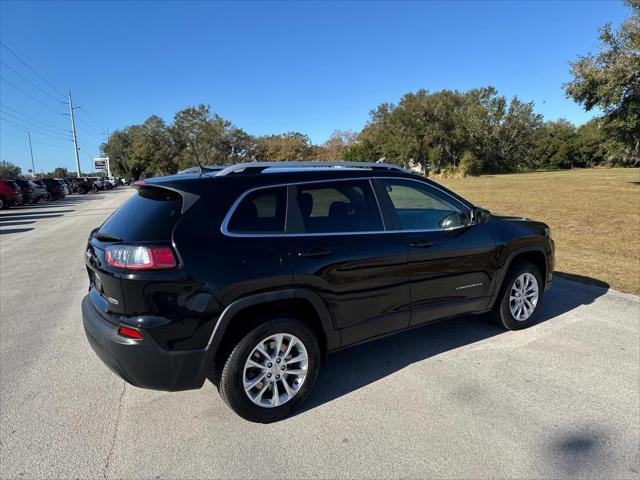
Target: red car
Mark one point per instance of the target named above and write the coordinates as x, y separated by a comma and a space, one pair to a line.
10, 194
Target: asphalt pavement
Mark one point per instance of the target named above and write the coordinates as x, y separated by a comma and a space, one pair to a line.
458, 399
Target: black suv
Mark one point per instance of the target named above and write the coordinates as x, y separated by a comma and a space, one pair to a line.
249, 275
55, 188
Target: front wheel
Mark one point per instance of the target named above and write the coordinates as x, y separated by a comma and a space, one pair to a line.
271, 371
520, 297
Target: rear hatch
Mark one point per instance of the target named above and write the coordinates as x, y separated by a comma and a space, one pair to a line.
144, 223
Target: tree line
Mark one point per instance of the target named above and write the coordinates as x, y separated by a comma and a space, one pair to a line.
445, 132
469, 132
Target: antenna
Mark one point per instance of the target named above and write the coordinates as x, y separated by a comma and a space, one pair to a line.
195, 152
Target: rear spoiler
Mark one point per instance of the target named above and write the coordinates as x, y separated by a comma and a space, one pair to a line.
188, 198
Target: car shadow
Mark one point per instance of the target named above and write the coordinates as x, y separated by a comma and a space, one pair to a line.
356, 367
12, 215
27, 216
6, 224
14, 230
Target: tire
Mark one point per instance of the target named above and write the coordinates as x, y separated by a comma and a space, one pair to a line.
81, 190
49, 197
3, 205
232, 376
521, 276
35, 200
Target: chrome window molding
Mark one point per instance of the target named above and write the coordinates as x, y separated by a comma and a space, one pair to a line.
224, 228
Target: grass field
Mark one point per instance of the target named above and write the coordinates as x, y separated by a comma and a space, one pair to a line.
594, 215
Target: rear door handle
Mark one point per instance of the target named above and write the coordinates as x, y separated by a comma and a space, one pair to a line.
422, 244
314, 252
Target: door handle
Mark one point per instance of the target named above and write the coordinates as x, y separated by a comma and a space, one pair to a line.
422, 244
314, 252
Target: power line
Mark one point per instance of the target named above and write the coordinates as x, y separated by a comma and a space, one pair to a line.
86, 132
35, 125
31, 118
35, 142
29, 125
32, 69
84, 110
29, 81
88, 125
87, 148
29, 95
26, 128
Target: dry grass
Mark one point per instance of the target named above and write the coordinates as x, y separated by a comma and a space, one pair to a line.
594, 215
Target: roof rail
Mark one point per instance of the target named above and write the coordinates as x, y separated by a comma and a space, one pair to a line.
257, 167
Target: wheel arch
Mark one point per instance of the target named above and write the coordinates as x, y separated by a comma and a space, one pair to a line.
248, 312
534, 254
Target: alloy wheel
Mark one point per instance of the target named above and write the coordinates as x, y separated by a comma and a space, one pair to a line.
524, 296
275, 370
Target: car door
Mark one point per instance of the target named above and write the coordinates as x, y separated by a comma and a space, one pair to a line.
450, 261
341, 251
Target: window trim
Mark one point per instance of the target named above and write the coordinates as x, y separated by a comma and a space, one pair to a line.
465, 209
227, 219
224, 228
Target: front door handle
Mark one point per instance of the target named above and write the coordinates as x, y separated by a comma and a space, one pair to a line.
315, 252
422, 244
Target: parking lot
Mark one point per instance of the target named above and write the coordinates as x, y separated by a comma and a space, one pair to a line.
458, 399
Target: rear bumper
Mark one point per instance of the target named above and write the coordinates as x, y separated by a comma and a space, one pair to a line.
142, 363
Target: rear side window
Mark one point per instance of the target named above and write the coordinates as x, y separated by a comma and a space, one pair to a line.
261, 211
338, 207
149, 215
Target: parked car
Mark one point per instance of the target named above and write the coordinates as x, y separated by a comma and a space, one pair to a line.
40, 190
250, 275
31, 192
98, 183
10, 194
65, 185
80, 185
55, 189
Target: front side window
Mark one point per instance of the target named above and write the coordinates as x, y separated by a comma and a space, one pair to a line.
421, 207
338, 207
261, 211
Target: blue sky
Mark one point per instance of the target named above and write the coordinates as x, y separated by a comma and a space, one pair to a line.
273, 67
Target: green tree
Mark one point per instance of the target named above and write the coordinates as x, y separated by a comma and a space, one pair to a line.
280, 148
553, 145
610, 81
9, 170
469, 164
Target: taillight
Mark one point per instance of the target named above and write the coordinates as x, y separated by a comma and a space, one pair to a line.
134, 257
129, 332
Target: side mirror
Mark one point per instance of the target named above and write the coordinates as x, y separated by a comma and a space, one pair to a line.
478, 215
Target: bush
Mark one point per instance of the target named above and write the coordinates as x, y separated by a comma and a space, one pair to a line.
470, 165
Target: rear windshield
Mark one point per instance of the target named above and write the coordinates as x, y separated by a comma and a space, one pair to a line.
149, 215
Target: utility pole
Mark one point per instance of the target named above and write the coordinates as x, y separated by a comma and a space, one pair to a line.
75, 139
33, 166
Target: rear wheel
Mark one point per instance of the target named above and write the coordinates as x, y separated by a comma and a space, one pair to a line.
3, 204
81, 190
520, 297
271, 370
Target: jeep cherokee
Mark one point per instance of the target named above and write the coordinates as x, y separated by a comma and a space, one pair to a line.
248, 275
